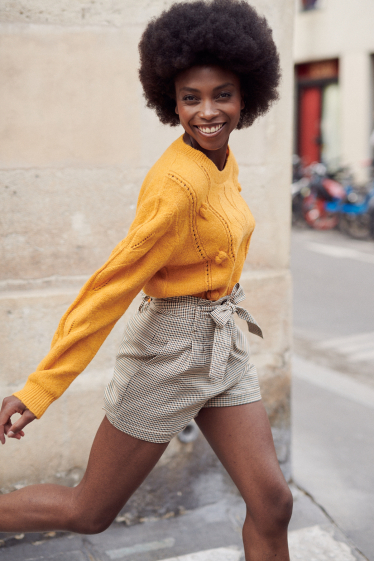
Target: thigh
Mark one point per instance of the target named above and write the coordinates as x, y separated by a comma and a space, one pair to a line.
117, 465
241, 437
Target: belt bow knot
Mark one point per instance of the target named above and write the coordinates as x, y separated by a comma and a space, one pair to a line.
222, 315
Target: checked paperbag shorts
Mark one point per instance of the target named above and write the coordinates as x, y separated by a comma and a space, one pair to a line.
178, 355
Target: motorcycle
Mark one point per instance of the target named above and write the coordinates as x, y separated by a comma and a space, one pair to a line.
325, 201
356, 217
321, 206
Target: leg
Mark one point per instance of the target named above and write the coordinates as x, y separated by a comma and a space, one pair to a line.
242, 439
117, 465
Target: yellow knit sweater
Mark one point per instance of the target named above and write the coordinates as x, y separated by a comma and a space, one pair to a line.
190, 235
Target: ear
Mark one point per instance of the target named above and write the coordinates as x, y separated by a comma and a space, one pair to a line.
242, 105
176, 109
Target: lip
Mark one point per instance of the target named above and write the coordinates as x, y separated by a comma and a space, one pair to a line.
210, 134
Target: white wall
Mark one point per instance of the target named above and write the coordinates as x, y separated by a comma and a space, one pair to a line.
344, 29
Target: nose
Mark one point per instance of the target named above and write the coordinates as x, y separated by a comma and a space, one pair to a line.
208, 111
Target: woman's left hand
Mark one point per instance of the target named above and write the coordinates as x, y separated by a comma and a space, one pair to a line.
9, 407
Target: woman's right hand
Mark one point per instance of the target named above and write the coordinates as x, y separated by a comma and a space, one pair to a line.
9, 407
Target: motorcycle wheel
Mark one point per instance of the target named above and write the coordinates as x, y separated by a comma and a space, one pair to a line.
316, 216
371, 228
321, 221
297, 211
328, 221
357, 226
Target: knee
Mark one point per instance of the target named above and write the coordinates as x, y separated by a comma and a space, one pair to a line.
86, 518
274, 509
283, 505
83, 522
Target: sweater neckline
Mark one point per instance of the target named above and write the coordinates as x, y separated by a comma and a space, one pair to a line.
203, 161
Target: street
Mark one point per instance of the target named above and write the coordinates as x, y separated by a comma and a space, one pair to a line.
333, 387
333, 278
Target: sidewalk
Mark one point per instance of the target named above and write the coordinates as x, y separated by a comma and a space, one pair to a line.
333, 447
213, 532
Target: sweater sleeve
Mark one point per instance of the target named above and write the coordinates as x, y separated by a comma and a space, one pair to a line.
104, 298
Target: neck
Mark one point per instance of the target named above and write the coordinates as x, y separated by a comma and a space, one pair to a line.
218, 157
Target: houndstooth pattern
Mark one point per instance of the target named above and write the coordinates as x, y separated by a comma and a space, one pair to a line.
222, 315
178, 355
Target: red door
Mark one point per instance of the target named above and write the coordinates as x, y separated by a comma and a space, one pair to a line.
309, 125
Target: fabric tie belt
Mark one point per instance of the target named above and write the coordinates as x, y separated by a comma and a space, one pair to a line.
224, 328
221, 312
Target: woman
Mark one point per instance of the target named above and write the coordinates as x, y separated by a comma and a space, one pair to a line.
211, 67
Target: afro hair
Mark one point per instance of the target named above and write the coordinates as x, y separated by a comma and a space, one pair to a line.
227, 33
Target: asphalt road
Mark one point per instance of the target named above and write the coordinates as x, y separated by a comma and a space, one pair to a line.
333, 284
333, 278
333, 388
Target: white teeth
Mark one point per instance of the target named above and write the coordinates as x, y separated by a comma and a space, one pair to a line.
210, 130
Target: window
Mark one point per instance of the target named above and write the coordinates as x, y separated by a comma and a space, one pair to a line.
309, 4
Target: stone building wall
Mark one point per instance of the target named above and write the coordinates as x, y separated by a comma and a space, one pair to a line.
75, 143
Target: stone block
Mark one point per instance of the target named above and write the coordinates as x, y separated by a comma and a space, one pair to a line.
267, 193
63, 222
68, 97
104, 13
120, 13
28, 322
269, 299
56, 447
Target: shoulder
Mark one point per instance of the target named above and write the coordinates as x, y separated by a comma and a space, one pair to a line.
188, 174
187, 164
174, 177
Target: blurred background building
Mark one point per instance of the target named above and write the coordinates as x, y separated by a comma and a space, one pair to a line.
334, 83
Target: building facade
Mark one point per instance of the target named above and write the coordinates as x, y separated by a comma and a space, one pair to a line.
334, 82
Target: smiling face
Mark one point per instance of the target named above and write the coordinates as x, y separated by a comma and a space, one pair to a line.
208, 102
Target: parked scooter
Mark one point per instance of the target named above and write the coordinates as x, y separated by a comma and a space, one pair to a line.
324, 202
321, 206
357, 213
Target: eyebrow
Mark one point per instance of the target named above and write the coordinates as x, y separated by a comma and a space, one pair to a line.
186, 88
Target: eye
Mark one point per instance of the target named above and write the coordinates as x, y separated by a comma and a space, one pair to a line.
189, 97
224, 95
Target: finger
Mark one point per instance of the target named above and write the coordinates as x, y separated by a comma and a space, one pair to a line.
26, 418
7, 428
4, 420
17, 436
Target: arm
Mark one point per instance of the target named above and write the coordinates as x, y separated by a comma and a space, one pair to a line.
151, 240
